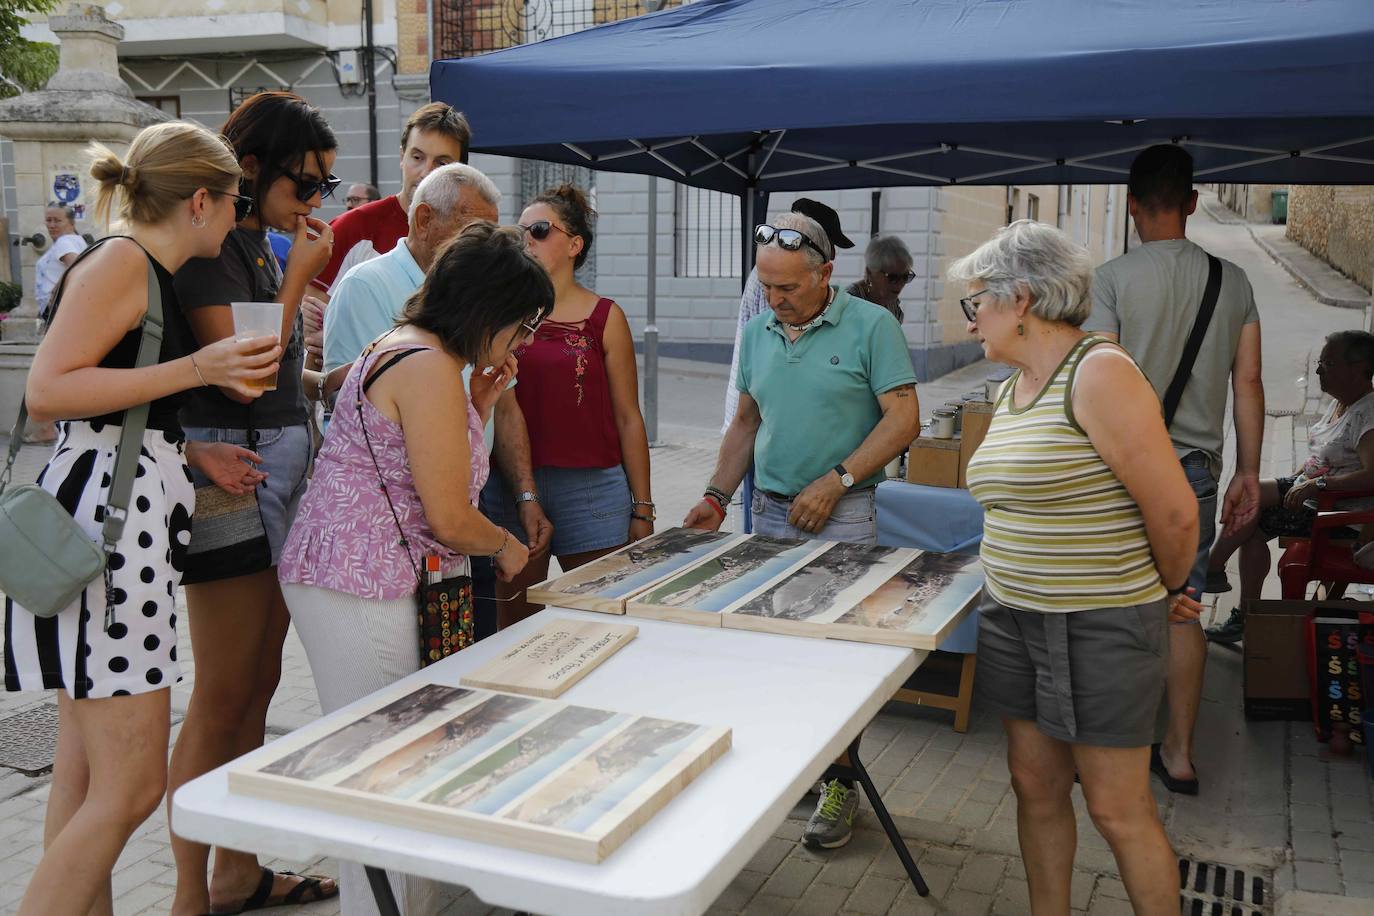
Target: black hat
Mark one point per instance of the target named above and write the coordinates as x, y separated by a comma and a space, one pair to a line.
828, 218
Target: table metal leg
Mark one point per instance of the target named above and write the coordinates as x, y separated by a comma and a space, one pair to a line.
856, 770
381, 891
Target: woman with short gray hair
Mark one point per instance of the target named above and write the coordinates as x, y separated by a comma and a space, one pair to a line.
1089, 532
887, 271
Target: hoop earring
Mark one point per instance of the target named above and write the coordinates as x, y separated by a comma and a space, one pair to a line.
1020, 329
198, 221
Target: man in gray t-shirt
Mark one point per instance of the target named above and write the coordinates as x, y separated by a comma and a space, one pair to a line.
1148, 299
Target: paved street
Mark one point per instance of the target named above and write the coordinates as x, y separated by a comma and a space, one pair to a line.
1272, 803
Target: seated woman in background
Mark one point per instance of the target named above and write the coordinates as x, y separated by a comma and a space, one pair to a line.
1340, 457
403, 415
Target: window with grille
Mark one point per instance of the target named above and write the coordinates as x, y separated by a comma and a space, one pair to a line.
706, 233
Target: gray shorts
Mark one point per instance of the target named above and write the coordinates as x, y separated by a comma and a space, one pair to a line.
854, 518
1085, 677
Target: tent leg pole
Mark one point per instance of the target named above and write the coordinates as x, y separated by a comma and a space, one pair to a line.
650, 322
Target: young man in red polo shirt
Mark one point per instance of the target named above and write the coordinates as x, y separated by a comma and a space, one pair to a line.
434, 135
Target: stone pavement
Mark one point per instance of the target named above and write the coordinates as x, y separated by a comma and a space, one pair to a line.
1272, 800
1326, 284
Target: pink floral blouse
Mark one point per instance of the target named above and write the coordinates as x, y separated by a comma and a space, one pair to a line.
344, 537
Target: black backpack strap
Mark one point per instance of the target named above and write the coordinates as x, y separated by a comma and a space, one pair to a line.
1174, 394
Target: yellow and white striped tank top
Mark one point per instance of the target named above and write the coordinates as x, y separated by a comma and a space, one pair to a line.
1060, 532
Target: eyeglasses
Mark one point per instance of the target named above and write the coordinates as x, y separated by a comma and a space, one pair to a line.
540, 229
307, 188
970, 305
243, 204
354, 200
787, 239
901, 279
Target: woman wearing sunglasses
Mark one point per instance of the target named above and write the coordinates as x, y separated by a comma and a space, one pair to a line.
579, 392
238, 618
887, 271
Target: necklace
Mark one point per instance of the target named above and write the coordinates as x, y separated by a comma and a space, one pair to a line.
817, 319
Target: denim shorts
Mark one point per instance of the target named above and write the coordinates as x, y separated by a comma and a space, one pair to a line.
1197, 467
285, 455
1084, 677
853, 519
589, 508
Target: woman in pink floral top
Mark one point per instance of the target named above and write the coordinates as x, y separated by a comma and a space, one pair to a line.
349, 582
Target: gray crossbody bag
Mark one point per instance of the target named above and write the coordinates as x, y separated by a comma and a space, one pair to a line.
48, 559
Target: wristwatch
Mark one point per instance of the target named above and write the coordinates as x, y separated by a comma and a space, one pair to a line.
528, 496
846, 478
1319, 483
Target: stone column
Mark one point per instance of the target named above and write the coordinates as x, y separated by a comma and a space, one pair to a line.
85, 100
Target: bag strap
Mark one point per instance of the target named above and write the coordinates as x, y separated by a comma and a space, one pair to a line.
135, 418
1174, 394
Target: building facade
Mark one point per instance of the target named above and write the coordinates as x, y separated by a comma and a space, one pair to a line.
201, 59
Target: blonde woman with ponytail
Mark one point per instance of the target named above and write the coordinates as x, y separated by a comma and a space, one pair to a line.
176, 192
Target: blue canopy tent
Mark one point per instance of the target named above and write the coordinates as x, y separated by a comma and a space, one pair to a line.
754, 96
768, 95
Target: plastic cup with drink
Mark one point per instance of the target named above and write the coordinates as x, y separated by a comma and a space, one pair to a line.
258, 319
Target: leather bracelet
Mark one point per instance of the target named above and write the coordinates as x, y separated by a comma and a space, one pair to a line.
641, 518
719, 494
1175, 592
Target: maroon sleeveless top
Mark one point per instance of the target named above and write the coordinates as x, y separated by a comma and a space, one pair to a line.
564, 394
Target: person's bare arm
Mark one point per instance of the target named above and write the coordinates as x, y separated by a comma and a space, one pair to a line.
900, 424
623, 377
512, 457
732, 462
1118, 409
1242, 498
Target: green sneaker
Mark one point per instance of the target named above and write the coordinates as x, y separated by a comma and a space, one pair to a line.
1230, 632
833, 823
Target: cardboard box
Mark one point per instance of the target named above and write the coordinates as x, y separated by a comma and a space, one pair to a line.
977, 418
1277, 679
933, 462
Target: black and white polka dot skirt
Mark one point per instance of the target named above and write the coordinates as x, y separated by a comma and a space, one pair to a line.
138, 653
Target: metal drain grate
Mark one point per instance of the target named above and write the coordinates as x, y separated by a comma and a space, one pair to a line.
1212, 889
28, 740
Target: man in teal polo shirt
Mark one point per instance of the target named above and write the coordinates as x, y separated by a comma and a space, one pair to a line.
827, 399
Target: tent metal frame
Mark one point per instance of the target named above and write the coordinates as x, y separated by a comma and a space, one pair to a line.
754, 176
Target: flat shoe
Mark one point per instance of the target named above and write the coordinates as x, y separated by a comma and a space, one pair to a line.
309, 890
1172, 783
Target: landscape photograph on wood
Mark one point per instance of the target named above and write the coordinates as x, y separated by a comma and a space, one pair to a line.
918, 606
603, 584
824, 588
702, 592
524, 772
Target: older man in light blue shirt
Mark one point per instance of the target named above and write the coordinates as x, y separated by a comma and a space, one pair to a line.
367, 300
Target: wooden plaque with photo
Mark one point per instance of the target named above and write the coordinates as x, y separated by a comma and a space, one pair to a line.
549, 661
522, 772
918, 607
701, 594
603, 585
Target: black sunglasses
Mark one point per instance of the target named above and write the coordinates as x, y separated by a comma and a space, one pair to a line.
787, 239
900, 278
540, 229
970, 305
243, 204
307, 188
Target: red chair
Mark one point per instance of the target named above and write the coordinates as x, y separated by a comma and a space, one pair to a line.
1321, 558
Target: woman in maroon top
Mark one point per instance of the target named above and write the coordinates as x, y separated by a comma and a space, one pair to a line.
579, 392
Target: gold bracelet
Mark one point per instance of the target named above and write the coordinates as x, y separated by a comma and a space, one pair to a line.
203, 382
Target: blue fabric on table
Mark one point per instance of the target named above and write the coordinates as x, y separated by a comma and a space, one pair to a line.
933, 518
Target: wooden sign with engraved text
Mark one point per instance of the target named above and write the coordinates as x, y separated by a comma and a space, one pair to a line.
548, 662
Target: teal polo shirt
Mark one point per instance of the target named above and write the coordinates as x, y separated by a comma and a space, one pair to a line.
365, 304
819, 396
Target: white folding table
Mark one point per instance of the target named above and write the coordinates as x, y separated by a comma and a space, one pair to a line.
794, 705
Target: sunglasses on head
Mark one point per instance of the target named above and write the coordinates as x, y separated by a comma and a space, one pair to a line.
307, 188
243, 204
787, 239
900, 278
540, 229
